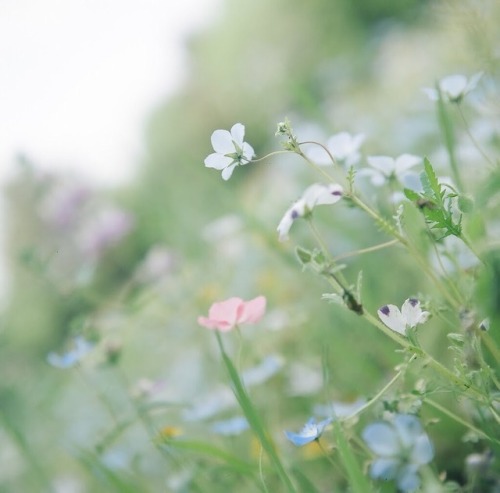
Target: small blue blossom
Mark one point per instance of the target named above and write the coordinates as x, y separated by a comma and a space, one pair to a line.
309, 433
71, 358
230, 427
402, 447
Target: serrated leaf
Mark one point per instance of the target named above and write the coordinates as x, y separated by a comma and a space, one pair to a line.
411, 194
433, 182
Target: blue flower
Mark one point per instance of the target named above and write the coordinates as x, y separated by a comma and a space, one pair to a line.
310, 432
402, 447
230, 427
73, 357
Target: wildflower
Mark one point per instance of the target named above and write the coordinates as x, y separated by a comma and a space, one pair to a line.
402, 447
309, 433
317, 194
225, 315
230, 427
343, 146
105, 230
453, 88
230, 150
71, 358
410, 316
384, 169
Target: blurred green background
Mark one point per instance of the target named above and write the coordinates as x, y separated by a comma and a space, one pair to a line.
350, 65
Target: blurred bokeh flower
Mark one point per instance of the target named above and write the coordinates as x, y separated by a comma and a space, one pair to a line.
398, 320
402, 447
311, 431
317, 194
72, 357
230, 150
453, 87
105, 230
385, 168
230, 427
225, 315
343, 146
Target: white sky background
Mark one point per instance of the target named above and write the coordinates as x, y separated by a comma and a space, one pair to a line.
79, 78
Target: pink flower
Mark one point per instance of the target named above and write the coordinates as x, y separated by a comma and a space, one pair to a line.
225, 315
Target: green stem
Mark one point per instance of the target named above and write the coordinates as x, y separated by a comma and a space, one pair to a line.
362, 251
271, 154
460, 420
253, 417
471, 137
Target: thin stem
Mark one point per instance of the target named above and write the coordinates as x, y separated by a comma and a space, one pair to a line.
472, 138
460, 420
334, 161
379, 394
490, 345
271, 154
362, 251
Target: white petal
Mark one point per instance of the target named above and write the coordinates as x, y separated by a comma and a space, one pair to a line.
473, 82
391, 316
376, 177
295, 211
411, 180
412, 313
238, 133
384, 164
330, 195
222, 142
248, 152
405, 162
453, 86
382, 439
217, 161
339, 145
432, 94
312, 194
227, 172
318, 155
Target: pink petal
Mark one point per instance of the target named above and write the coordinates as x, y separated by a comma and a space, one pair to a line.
225, 311
250, 312
214, 324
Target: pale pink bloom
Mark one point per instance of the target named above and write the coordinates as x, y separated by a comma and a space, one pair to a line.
225, 315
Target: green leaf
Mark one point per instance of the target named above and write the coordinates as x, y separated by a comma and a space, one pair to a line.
357, 478
411, 195
303, 255
432, 182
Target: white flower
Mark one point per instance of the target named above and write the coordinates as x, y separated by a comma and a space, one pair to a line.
343, 146
230, 150
453, 88
317, 194
410, 316
384, 168
402, 447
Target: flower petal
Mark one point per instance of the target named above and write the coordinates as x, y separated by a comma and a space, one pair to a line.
385, 469
407, 479
412, 313
405, 162
217, 161
382, 439
248, 153
453, 86
222, 142
384, 164
392, 317
408, 428
423, 451
227, 172
250, 312
238, 133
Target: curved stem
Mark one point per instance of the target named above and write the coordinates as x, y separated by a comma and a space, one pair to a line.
472, 138
361, 251
274, 153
